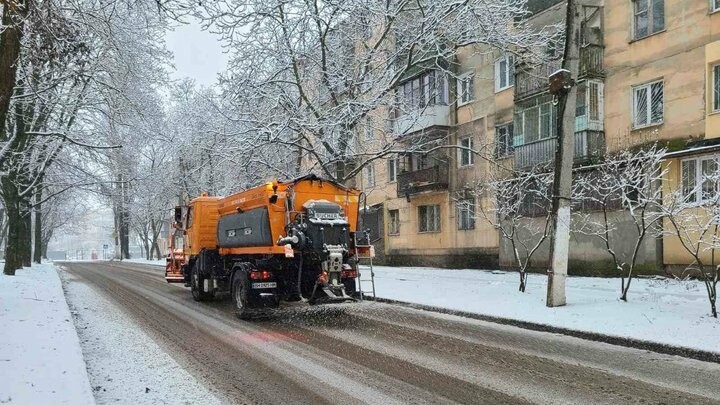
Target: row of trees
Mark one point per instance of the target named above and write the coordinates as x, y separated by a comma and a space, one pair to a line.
620, 202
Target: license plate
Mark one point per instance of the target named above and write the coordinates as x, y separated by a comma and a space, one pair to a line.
264, 285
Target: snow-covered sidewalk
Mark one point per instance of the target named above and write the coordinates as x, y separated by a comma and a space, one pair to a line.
126, 365
40, 357
664, 311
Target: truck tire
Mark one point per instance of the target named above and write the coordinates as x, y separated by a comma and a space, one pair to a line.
196, 282
240, 292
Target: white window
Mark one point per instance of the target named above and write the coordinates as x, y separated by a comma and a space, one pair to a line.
393, 222
466, 88
429, 218
466, 213
466, 151
649, 17
714, 5
716, 86
699, 178
504, 72
369, 175
503, 140
369, 130
392, 169
648, 104
536, 122
426, 90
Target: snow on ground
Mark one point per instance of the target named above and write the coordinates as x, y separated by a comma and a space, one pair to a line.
125, 365
160, 262
40, 357
659, 310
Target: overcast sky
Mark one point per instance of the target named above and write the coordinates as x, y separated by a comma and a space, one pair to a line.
198, 53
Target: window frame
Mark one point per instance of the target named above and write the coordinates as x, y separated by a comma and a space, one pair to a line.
466, 151
463, 207
715, 72
436, 219
465, 85
650, 14
391, 222
509, 73
508, 147
714, 6
697, 192
370, 175
648, 89
394, 163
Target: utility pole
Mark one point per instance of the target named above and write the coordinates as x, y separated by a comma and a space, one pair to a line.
563, 87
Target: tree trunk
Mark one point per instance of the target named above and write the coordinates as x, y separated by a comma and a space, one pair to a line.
12, 255
37, 253
10, 40
26, 237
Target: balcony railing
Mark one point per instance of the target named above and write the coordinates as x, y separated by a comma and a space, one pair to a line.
591, 61
588, 145
433, 178
529, 82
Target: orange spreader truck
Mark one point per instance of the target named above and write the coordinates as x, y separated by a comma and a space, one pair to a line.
282, 241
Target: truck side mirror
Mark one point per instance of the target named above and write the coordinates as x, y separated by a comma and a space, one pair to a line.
178, 214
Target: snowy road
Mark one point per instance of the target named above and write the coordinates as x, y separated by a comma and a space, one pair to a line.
377, 353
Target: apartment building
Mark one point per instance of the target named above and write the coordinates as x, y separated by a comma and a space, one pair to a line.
649, 72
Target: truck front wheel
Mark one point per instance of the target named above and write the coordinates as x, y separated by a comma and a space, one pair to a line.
240, 294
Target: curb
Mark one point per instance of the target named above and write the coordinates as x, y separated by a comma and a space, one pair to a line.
597, 337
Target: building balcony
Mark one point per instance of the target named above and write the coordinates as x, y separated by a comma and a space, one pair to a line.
435, 178
588, 146
532, 81
422, 119
591, 62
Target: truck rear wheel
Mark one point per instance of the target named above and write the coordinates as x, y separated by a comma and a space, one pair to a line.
240, 293
196, 285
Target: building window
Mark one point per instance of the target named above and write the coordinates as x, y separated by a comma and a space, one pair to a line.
392, 169
369, 130
700, 178
716, 87
393, 222
426, 90
503, 140
714, 5
537, 122
648, 103
429, 218
466, 88
504, 72
649, 17
466, 151
369, 175
466, 214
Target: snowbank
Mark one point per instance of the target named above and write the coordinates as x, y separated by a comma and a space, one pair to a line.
125, 364
40, 361
160, 262
659, 310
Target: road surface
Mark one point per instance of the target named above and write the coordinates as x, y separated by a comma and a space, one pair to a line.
383, 354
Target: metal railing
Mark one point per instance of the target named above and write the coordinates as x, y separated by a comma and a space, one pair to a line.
531, 81
591, 61
588, 145
435, 178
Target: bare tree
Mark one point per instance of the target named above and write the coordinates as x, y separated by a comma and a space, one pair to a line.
693, 216
308, 77
518, 206
625, 188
